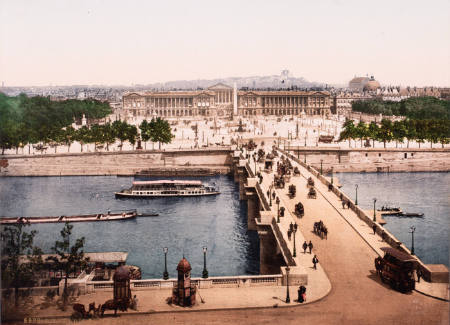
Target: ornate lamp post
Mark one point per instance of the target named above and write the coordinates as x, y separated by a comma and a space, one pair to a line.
374, 210
288, 299
356, 199
295, 230
205, 271
277, 201
413, 229
331, 175
321, 169
165, 274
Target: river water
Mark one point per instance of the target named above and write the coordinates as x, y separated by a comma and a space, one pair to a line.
184, 225
426, 193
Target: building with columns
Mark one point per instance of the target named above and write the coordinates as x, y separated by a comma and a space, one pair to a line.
218, 100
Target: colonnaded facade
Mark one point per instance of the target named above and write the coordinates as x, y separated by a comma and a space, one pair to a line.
224, 101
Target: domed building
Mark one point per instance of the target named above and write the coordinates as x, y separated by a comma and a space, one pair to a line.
372, 85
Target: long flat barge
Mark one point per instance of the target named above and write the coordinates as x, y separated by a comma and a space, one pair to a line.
130, 214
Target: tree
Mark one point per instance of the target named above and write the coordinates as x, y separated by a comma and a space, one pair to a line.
108, 135
68, 258
361, 132
373, 132
132, 134
398, 132
82, 136
421, 131
160, 131
17, 273
348, 132
385, 131
120, 131
411, 133
145, 132
69, 136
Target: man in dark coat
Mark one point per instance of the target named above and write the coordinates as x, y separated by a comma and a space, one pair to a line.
305, 246
374, 227
315, 260
310, 246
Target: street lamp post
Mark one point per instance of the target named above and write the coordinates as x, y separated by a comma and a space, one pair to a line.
270, 194
288, 299
165, 274
356, 199
374, 210
205, 271
321, 169
295, 230
331, 175
277, 201
413, 229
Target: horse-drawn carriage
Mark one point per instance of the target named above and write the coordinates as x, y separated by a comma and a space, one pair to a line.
397, 269
299, 210
279, 181
312, 193
292, 191
310, 182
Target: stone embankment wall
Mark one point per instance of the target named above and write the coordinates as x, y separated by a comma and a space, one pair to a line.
375, 160
177, 162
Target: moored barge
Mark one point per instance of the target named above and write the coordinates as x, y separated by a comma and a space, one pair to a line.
79, 218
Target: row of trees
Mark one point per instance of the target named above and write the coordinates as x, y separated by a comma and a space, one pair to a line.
38, 119
22, 260
30, 120
433, 131
414, 108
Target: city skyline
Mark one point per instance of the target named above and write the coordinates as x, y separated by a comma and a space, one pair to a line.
117, 43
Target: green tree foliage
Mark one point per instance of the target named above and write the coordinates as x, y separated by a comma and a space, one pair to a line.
38, 119
419, 130
417, 108
348, 132
161, 131
68, 258
385, 133
20, 259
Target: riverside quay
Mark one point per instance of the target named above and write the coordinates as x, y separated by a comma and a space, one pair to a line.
224, 101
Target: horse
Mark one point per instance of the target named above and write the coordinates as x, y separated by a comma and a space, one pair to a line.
114, 305
79, 308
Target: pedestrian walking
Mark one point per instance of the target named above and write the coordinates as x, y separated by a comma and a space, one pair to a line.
419, 274
374, 227
310, 246
305, 246
348, 204
343, 204
315, 260
383, 234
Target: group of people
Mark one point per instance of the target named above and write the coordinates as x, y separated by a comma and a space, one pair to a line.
320, 229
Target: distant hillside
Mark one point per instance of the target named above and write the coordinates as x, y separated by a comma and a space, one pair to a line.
274, 81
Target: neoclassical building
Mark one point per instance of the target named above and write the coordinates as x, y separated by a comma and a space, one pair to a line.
225, 101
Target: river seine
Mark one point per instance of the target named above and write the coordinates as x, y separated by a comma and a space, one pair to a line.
426, 193
184, 225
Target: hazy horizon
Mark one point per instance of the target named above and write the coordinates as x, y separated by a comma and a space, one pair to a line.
99, 42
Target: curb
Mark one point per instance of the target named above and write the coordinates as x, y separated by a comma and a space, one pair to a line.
431, 296
296, 305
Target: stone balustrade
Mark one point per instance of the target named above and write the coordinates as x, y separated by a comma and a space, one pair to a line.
211, 282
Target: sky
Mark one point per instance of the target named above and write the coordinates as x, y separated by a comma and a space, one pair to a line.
62, 42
